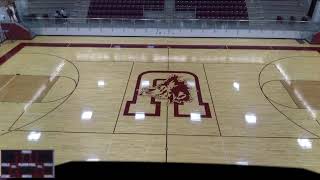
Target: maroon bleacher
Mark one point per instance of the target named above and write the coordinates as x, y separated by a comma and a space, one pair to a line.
122, 8
15, 31
215, 9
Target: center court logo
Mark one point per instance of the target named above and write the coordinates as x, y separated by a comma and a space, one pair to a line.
179, 88
174, 88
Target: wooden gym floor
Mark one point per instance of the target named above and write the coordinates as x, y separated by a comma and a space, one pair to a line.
224, 101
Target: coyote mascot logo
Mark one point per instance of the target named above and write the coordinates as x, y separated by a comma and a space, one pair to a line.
174, 88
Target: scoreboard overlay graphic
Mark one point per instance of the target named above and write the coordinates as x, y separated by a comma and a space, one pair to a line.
27, 164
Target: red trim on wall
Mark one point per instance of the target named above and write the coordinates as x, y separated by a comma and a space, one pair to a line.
316, 39
16, 32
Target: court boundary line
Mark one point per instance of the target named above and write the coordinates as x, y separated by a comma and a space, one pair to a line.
167, 130
167, 114
123, 97
43, 102
40, 118
20, 46
280, 104
214, 109
61, 98
266, 97
171, 62
169, 134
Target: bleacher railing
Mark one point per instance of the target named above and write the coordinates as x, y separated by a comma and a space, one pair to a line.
205, 24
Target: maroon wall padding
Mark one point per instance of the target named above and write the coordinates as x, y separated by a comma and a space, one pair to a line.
315, 38
16, 32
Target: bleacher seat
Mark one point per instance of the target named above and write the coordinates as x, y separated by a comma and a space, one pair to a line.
214, 9
122, 8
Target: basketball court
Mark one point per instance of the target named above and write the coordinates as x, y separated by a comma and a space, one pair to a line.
195, 100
